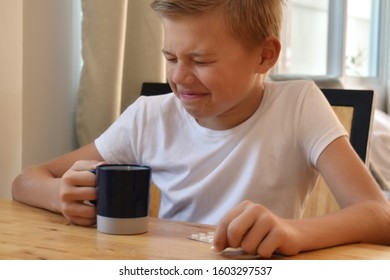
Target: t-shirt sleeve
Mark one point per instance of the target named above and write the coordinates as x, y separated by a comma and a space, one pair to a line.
118, 143
318, 124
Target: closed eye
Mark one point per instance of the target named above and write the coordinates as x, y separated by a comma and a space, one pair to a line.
171, 60
203, 63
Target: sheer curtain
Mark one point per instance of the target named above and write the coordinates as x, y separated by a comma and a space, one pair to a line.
121, 49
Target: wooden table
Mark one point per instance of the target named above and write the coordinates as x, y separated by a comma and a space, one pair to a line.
30, 233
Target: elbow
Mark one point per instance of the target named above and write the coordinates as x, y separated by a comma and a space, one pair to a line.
21, 183
16, 185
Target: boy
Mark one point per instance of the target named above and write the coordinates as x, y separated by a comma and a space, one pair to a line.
227, 148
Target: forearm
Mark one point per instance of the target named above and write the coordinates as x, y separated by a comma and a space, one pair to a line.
37, 187
367, 221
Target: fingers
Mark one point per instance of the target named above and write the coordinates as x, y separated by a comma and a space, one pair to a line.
275, 238
232, 227
253, 228
83, 165
78, 180
80, 214
257, 235
83, 221
77, 186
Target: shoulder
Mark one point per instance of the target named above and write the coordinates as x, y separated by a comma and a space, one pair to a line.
158, 105
294, 87
156, 101
293, 94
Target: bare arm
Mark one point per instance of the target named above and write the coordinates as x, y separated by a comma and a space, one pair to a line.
61, 185
364, 217
365, 213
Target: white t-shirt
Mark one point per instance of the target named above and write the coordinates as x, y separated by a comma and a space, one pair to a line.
202, 173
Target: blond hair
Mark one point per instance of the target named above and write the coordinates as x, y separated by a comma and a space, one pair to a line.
250, 21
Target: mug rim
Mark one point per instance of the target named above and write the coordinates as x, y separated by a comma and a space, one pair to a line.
122, 167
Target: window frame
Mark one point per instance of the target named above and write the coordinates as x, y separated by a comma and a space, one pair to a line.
336, 62
378, 82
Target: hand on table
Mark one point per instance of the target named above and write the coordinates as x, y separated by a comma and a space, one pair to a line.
257, 231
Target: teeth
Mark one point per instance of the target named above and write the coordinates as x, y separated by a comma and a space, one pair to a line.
207, 237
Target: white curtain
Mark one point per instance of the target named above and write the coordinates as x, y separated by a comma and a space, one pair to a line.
121, 49
388, 64
388, 85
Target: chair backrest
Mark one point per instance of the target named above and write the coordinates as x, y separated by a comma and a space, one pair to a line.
355, 109
149, 89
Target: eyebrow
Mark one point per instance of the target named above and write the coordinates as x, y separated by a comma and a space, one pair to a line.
194, 54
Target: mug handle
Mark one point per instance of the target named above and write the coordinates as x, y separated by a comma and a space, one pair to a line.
94, 202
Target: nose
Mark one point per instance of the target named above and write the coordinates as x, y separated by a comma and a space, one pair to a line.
182, 74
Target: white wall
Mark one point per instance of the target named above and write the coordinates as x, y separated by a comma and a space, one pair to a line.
10, 92
39, 69
49, 71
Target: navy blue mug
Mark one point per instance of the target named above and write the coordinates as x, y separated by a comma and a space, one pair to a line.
122, 198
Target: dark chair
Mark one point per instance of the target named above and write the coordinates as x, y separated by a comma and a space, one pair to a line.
354, 107
149, 89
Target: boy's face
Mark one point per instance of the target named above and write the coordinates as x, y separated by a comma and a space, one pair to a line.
217, 79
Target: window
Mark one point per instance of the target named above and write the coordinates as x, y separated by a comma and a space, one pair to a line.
361, 50
344, 39
332, 37
305, 36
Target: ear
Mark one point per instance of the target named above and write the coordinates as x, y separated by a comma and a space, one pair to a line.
269, 54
